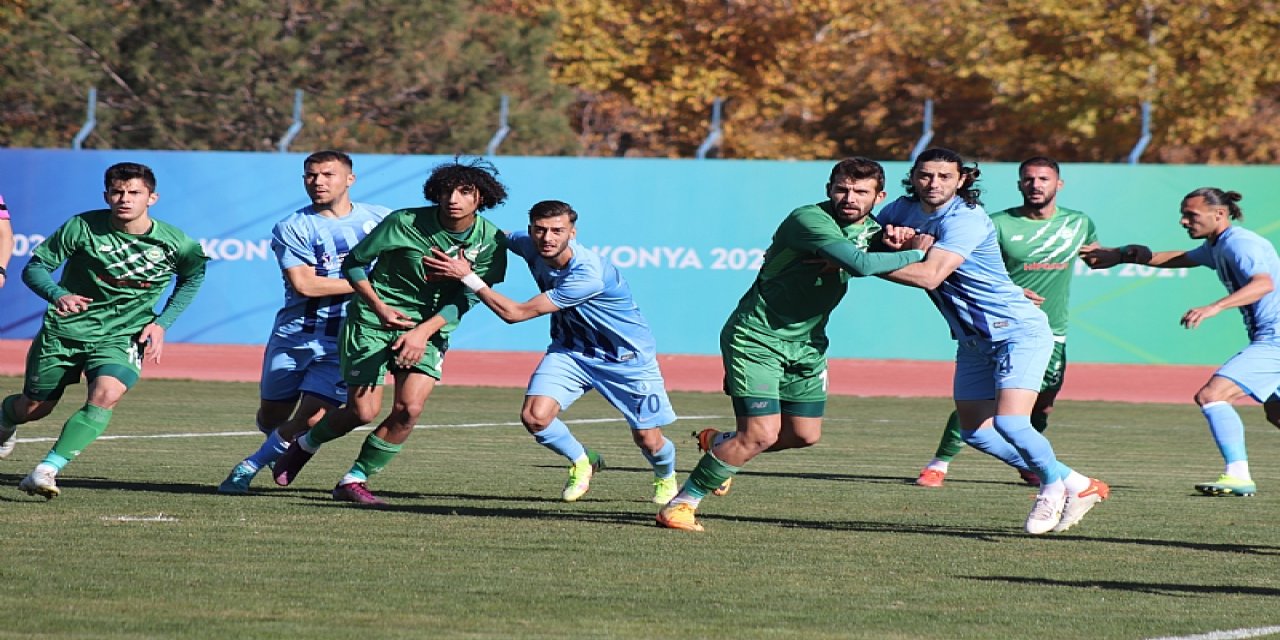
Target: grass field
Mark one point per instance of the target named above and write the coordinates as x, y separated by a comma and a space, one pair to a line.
829, 542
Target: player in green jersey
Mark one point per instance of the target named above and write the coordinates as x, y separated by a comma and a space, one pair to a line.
101, 320
1039, 241
774, 344
400, 319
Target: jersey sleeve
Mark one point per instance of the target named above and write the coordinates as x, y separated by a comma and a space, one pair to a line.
291, 245
1251, 256
519, 243
38, 274
962, 233
1201, 255
582, 283
1091, 231
809, 229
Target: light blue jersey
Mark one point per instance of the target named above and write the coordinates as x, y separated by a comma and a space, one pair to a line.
598, 318
308, 238
1238, 255
978, 299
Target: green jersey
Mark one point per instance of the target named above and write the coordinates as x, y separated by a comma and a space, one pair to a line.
395, 249
794, 293
1040, 255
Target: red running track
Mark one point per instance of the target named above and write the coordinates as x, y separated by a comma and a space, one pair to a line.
899, 378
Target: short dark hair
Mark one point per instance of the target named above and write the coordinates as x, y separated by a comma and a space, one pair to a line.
858, 168
126, 171
328, 155
1039, 161
968, 190
551, 209
1219, 198
476, 172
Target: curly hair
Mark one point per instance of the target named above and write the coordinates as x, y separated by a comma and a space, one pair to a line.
476, 172
1216, 197
968, 190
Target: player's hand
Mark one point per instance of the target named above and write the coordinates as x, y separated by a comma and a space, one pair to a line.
896, 237
71, 304
439, 263
1034, 297
1135, 253
152, 341
921, 241
393, 318
410, 347
1192, 318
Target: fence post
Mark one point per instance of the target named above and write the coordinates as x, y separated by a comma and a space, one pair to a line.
294, 128
1145, 138
927, 134
715, 134
503, 128
90, 120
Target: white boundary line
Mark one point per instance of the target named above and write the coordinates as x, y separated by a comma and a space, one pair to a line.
1233, 634
224, 434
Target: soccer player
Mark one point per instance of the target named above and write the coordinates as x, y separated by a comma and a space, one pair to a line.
6, 244
1247, 265
1004, 341
300, 373
400, 320
1038, 241
774, 344
599, 340
101, 320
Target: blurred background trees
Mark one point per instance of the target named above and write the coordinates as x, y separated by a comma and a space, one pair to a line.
799, 78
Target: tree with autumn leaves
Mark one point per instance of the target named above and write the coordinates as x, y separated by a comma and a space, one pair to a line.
799, 78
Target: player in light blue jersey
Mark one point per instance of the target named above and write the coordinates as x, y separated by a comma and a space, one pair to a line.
1249, 268
1003, 340
599, 340
300, 375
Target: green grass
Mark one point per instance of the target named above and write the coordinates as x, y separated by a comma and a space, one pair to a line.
829, 542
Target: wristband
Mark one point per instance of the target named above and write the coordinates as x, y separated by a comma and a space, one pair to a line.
474, 282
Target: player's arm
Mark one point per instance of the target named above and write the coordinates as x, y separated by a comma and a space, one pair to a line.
412, 344
305, 281
1259, 285
38, 274
190, 275
860, 263
936, 267
441, 264
1098, 257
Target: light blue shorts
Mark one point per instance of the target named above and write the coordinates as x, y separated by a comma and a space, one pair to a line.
634, 388
291, 367
1256, 370
985, 366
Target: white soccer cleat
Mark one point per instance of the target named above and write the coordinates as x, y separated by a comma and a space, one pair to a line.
1081, 503
1046, 513
41, 481
8, 441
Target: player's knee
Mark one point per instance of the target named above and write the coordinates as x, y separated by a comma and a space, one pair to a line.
803, 440
1206, 395
533, 421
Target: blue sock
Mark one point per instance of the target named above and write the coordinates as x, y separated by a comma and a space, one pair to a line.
55, 460
1227, 430
270, 451
664, 462
557, 438
989, 442
1033, 446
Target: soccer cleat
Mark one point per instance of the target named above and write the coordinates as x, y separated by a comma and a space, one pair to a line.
580, 477
1029, 477
1081, 503
706, 442
41, 482
664, 489
931, 477
679, 515
357, 492
1045, 514
7, 441
237, 482
290, 464
1228, 486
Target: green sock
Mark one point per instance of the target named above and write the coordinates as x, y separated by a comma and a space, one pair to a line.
952, 442
708, 475
1040, 421
322, 433
82, 428
9, 416
375, 455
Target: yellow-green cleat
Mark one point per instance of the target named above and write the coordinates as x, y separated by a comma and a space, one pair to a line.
664, 489
679, 515
580, 477
1228, 486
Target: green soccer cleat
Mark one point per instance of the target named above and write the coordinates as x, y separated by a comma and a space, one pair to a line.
664, 489
237, 482
580, 477
1228, 486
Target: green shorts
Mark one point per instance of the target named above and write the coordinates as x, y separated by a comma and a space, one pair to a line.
365, 355
55, 363
765, 375
1056, 372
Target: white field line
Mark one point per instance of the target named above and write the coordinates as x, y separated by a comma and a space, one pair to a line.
255, 432
1234, 634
